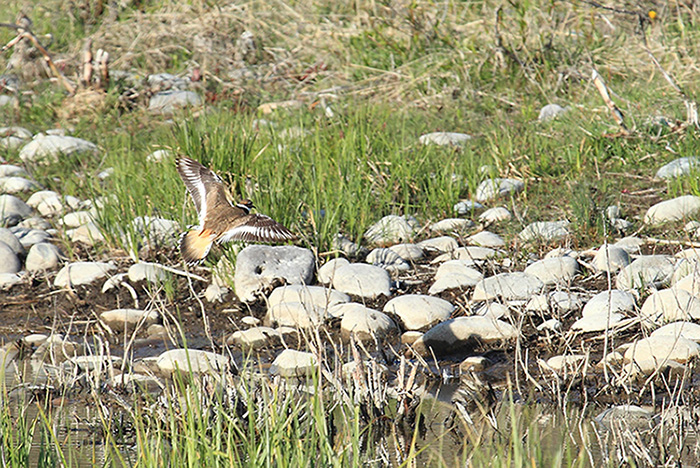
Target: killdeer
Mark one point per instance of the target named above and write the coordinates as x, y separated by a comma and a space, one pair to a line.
219, 219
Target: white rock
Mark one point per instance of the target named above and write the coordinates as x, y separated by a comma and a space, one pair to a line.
79, 273
159, 155
124, 319
50, 206
157, 231
215, 292
495, 215
49, 147
494, 188
551, 111
256, 338
364, 323
493, 310
167, 102
391, 229
678, 167
507, 286
554, 270
8, 237
487, 239
42, 256
669, 305
538, 303
444, 139
455, 334
95, 363
345, 245
10, 170
191, 360
688, 330
690, 283
419, 312
451, 224
9, 262
565, 301
611, 258
647, 270
551, 325
439, 244
362, 280
38, 197
597, 323
545, 231
625, 416
327, 271
293, 363
672, 210
35, 223
567, 363
259, 266
13, 137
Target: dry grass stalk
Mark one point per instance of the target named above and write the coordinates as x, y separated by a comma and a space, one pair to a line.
614, 110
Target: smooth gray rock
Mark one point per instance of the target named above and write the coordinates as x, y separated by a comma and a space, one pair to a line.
631, 244
669, 305
507, 286
678, 167
48, 148
29, 237
40, 196
127, 319
647, 270
597, 323
672, 210
392, 229
493, 310
168, 102
551, 111
12, 210
554, 270
8, 237
34, 223
293, 363
456, 334
495, 215
444, 139
194, 360
12, 138
151, 272
42, 256
255, 338
611, 258
567, 363
565, 301
455, 274
545, 231
314, 295
494, 188
419, 312
625, 417
259, 266
79, 273
364, 323
50, 206
327, 271
362, 280
9, 261
16, 184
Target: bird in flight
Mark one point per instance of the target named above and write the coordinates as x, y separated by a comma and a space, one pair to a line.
219, 219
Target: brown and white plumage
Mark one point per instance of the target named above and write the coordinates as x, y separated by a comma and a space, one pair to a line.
219, 219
